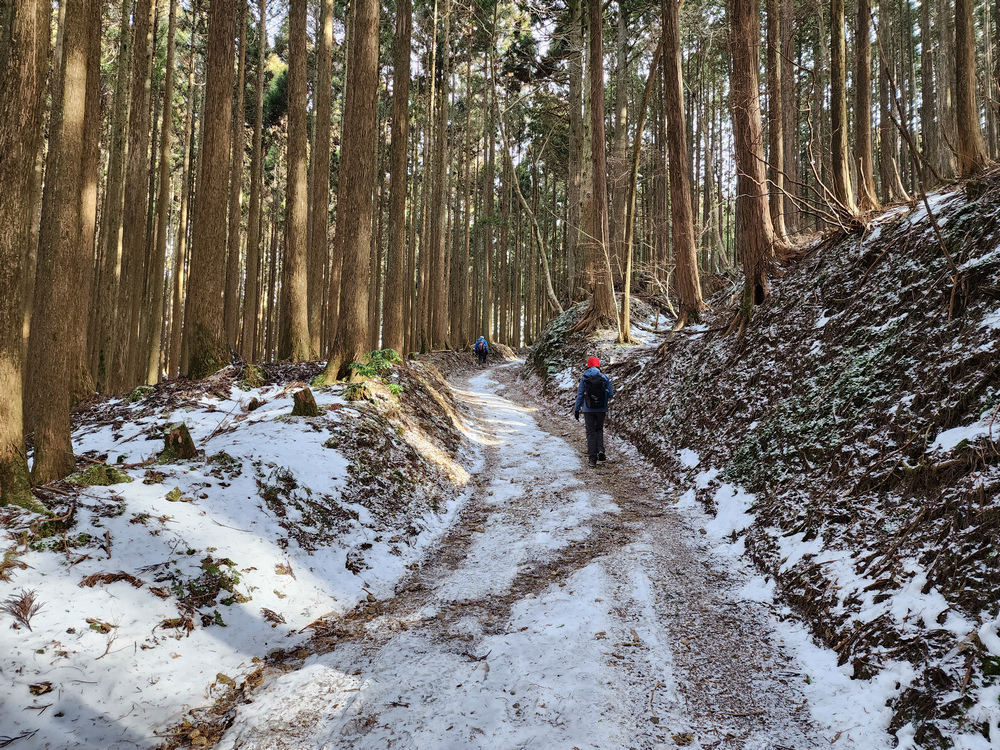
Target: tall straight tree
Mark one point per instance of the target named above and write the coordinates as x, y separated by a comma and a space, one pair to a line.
251, 307
775, 126
892, 187
111, 220
24, 43
574, 181
689, 299
232, 293
602, 312
293, 339
438, 307
789, 115
81, 378
619, 147
319, 184
393, 333
838, 110
867, 197
753, 217
125, 371
183, 224
61, 257
972, 155
207, 349
162, 205
357, 180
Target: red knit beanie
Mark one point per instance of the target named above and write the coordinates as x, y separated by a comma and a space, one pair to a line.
593, 362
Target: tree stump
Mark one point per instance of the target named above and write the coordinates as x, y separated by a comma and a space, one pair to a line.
304, 404
177, 444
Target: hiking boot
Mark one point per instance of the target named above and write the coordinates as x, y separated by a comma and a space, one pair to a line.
592, 463
601, 456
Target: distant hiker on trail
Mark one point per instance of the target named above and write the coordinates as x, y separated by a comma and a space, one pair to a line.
593, 398
482, 349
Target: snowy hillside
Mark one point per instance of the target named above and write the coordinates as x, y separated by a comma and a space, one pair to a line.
164, 592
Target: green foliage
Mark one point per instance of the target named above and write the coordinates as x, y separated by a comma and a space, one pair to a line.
376, 364
276, 98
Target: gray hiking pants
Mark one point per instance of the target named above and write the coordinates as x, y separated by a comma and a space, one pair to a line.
594, 420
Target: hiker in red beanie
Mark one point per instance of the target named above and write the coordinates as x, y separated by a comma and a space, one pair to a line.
593, 398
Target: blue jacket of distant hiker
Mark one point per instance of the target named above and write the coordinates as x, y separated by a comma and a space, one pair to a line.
581, 391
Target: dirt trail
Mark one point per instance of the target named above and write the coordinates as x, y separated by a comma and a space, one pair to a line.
567, 607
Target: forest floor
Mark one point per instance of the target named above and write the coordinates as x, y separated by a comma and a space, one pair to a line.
563, 608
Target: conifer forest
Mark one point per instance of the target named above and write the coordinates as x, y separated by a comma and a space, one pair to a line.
775, 221
184, 183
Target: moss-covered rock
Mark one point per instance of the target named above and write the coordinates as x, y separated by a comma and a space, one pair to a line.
175, 496
304, 404
99, 475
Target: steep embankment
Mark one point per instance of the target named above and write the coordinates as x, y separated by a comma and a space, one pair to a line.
162, 585
861, 409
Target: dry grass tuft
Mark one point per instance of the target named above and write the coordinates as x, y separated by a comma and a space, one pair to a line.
91, 581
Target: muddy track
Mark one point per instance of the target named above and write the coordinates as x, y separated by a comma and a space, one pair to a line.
705, 671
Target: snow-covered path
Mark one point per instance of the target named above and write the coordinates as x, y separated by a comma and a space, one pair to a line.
566, 609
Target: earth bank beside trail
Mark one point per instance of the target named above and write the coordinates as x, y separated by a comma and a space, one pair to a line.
861, 411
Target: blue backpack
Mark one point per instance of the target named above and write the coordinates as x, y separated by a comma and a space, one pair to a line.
481, 345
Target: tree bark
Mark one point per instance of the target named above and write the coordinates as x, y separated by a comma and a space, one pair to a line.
892, 187
625, 326
688, 284
867, 197
126, 344
24, 43
972, 156
460, 324
293, 341
619, 160
357, 178
162, 206
251, 307
231, 301
838, 95
789, 116
575, 157
206, 346
438, 302
181, 241
81, 379
102, 349
602, 312
753, 217
319, 187
775, 126
61, 260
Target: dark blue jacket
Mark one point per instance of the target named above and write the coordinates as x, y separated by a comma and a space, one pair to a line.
581, 390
